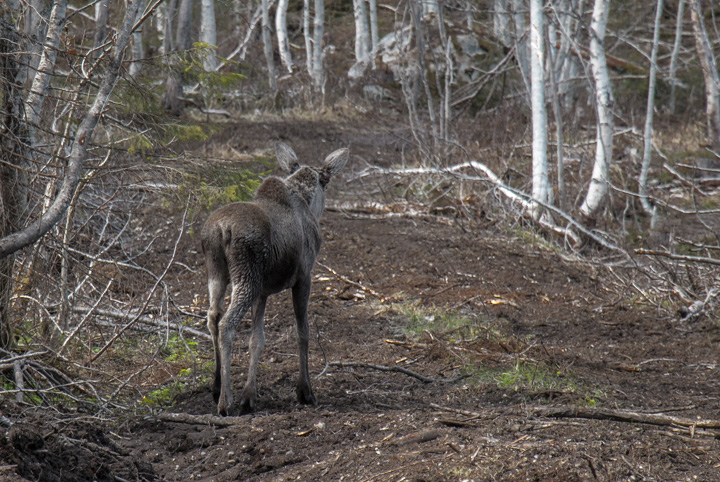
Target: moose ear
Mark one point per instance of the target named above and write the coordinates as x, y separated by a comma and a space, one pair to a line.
286, 157
333, 164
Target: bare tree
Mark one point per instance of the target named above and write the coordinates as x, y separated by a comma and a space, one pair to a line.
362, 31
675, 54
208, 33
102, 11
604, 102
539, 113
647, 136
282, 35
268, 47
33, 231
710, 74
318, 73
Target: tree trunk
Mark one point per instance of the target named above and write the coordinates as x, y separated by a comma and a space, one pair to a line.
102, 10
13, 150
172, 100
520, 41
208, 34
318, 25
183, 38
647, 136
675, 54
362, 31
268, 47
136, 47
372, 4
710, 73
539, 113
308, 38
282, 35
41, 81
597, 192
82, 138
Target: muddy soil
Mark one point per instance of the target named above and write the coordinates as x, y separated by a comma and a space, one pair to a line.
538, 331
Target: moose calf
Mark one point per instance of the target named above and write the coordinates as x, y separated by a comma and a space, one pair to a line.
264, 247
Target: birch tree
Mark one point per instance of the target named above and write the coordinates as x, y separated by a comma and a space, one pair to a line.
647, 135
13, 148
318, 74
362, 31
41, 80
102, 10
267, 46
28, 234
539, 113
675, 54
208, 33
282, 35
710, 74
604, 103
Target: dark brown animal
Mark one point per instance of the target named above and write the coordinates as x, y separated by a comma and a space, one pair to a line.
261, 248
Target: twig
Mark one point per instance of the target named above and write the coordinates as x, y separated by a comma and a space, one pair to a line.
146, 320
149, 296
402, 370
679, 257
353, 283
624, 416
200, 419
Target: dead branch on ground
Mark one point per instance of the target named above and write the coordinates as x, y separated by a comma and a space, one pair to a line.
624, 416
402, 370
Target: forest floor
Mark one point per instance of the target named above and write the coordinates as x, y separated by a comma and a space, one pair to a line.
539, 365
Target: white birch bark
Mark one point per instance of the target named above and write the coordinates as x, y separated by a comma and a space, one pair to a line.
41, 81
102, 10
374, 38
136, 46
675, 54
318, 25
307, 33
362, 31
267, 46
710, 74
647, 134
521, 41
539, 113
82, 139
208, 33
282, 35
430, 8
597, 192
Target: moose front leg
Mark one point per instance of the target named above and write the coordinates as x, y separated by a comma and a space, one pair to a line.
301, 297
257, 343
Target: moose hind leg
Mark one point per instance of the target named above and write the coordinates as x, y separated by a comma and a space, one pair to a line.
301, 297
257, 343
240, 303
217, 282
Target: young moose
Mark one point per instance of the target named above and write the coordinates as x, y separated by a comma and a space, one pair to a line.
261, 248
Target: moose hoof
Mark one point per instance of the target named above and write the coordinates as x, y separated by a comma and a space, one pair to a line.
247, 406
305, 396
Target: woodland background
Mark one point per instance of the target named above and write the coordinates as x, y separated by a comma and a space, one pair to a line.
589, 127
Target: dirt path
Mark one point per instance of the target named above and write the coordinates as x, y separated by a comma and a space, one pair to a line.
528, 331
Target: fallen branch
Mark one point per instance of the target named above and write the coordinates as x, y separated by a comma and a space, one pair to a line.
679, 257
402, 370
353, 283
624, 416
145, 320
200, 419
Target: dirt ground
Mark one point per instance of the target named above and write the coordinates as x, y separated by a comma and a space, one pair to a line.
606, 388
